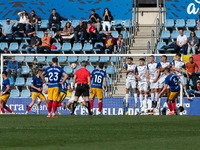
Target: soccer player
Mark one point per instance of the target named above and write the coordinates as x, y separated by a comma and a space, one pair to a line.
142, 69
98, 76
5, 93
177, 68
153, 72
172, 81
161, 81
54, 74
130, 69
36, 86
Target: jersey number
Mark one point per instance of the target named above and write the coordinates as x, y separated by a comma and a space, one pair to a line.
64, 86
55, 74
175, 81
98, 79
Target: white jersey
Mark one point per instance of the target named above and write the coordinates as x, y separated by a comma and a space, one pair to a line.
73, 95
152, 67
144, 112
180, 65
131, 75
44, 87
163, 65
142, 71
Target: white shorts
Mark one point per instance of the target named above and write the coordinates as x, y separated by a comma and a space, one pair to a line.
130, 84
73, 97
45, 95
157, 112
143, 86
154, 85
161, 83
181, 79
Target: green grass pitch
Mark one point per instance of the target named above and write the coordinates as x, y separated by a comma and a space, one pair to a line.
30, 132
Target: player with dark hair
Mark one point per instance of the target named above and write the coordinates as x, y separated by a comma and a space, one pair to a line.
54, 74
98, 76
5, 93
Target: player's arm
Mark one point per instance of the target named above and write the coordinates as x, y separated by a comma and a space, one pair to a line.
147, 76
43, 78
127, 71
7, 89
158, 73
137, 75
38, 89
165, 88
74, 81
89, 82
175, 69
65, 78
105, 81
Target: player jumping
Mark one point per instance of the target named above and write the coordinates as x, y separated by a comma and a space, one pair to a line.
98, 76
5, 93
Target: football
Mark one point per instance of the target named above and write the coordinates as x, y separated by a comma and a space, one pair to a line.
73, 65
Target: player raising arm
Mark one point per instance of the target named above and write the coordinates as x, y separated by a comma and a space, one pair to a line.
54, 74
98, 76
5, 93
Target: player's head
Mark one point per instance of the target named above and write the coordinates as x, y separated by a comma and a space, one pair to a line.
130, 60
39, 72
151, 58
191, 59
101, 65
55, 61
83, 64
178, 56
142, 60
181, 109
164, 58
4, 74
167, 71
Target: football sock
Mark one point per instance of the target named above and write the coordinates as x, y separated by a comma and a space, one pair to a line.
59, 104
127, 95
8, 109
173, 106
2, 110
156, 94
146, 98
38, 109
100, 106
141, 97
88, 106
152, 96
74, 107
170, 106
91, 104
28, 109
49, 107
186, 93
54, 106
135, 96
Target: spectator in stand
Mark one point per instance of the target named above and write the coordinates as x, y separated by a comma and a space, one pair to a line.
91, 31
181, 42
80, 32
120, 42
68, 32
5, 58
192, 72
13, 67
193, 41
107, 19
54, 20
46, 42
32, 21
94, 18
109, 43
35, 41
7, 31
34, 67
22, 21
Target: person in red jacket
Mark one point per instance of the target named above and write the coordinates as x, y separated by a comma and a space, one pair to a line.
109, 43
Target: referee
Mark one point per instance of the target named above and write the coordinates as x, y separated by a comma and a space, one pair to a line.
83, 79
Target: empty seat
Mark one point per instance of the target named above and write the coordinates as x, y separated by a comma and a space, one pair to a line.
127, 23
11, 81
198, 33
62, 59
21, 45
13, 47
103, 68
165, 35
191, 23
111, 70
187, 33
19, 82
175, 34
25, 93
3, 45
90, 68
75, 23
125, 34
49, 59
25, 70
19, 58
95, 45
14, 93
28, 82
93, 59
63, 23
114, 59
77, 67
104, 59
40, 34
87, 47
83, 58
180, 23
170, 49
43, 24
41, 59
68, 69
115, 34
58, 47
77, 47
117, 24
160, 44
29, 59
45, 67
169, 23
66, 47
72, 59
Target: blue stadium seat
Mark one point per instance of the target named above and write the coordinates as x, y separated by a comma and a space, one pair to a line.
93, 59
68, 69
13, 46
125, 34
3, 45
14, 93
52, 32
49, 59
28, 82
101, 32
83, 58
62, 59
40, 34
169, 23
45, 67
58, 47
111, 70
43, 24
72, 59
11, 81
197, 33
103, 68
71, 80
63, 24
26, 94
19, 82
117, 22
160, 44
17, 37
66, 47
115, 34
75, 23
19, 58
180, 23
175, 34
187, 33
21, 45
77, 47
77, 67
87, 47
109, 81
165, 35
90, 68
95, 45
104, 59
114, 59
126, 24
25, 70
41, 59
29, 59
191, 23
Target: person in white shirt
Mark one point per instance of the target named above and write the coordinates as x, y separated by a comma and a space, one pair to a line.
153, 72
22, 20
181, 42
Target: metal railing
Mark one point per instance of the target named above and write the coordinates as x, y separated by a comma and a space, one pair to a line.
148, 47
152, 41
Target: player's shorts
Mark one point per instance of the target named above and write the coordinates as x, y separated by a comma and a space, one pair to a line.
98, 92
154, 85
5, 97
130, 84
36, 95
82, 89
45, 95
53, 93
73, 97
181, 79
157, 112
173, 95
143, 86
61, 97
